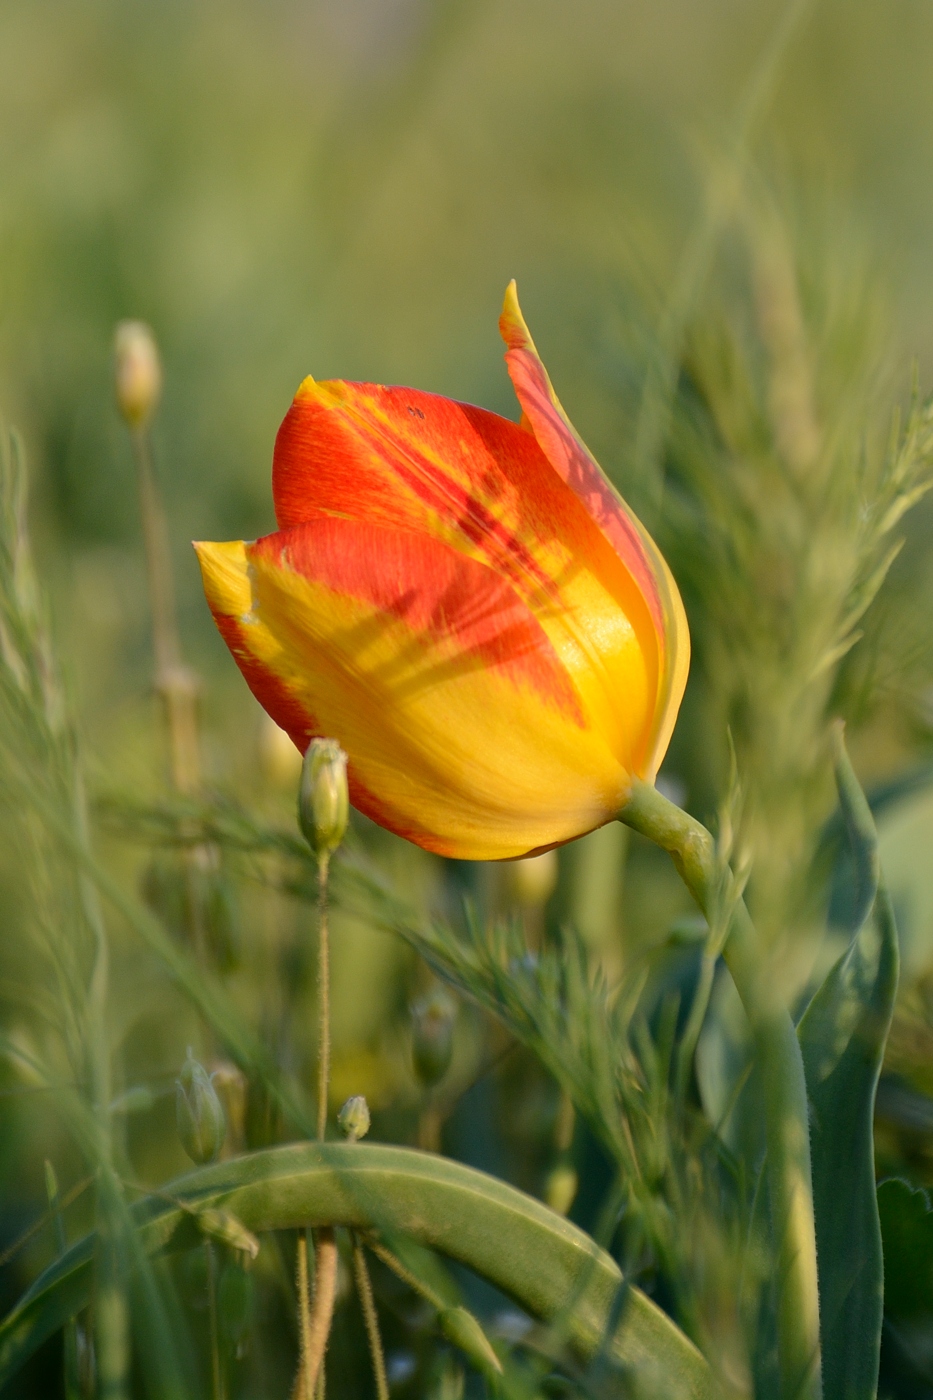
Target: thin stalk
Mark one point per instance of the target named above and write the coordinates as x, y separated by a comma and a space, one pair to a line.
70, 1359
364, 1290
217, 1372
323, 989
402, 1272
316, 1315
111, 1319
790, 1184
304, 1314
691, 1033
174, 682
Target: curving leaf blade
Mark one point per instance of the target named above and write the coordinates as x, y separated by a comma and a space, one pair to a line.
549, 1266
842, 1038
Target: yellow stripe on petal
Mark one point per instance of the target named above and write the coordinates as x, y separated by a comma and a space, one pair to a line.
474, 761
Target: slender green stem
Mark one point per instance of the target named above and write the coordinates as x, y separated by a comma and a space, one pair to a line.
304, 1313
323, 987
364, 1289
315, 1316
217, 1373
401, 1271
784, 1088
691, 1033
174, 681
111, 1320
70, 1359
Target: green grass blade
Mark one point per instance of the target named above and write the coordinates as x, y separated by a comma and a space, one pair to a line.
551, 1268
842, 1037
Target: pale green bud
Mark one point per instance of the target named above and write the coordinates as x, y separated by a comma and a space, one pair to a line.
432, 1035
353, 1119
226, 1228
531, 880
462, 1328
323, 799
138, 372
560, 1189
199, 1114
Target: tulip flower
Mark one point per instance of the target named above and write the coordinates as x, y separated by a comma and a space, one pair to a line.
465, 604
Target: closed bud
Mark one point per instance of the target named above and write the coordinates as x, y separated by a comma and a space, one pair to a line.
560, 1189
138, 372
323, 799
432, 1036
531, 881
353, 1118
226, 1228
462, 1328
199, 1114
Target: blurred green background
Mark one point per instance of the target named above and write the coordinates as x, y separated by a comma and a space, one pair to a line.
344, 190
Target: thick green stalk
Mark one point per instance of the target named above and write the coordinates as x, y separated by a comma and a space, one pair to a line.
785, 1093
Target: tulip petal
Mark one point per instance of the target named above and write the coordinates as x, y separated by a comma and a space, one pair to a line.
481, 484
575, 465
465, 730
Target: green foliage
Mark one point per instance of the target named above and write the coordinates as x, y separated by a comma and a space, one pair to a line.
843, 1035
686, 198
554, 1270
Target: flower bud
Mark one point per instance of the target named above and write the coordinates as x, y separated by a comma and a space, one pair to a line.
432, 1033
462, 1328
560, 1189
531, 881
323, 800
199, 1115
138, 372
353, 1119
226, 1228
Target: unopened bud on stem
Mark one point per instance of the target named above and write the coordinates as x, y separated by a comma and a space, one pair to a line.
323, 799
353, 1118
199, 1114
138, 372
432, 1031
532, 880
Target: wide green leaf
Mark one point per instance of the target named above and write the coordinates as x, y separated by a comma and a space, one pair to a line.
552, 1269
842, 1037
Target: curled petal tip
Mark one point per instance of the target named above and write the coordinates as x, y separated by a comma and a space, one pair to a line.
223, 570
512, 326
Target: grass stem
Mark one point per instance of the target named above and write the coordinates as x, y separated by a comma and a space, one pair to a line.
217, 1370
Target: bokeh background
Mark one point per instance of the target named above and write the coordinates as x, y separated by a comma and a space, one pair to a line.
344, 190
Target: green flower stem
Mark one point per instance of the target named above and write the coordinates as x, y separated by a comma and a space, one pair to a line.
316, 1313
785, 1095
323, 986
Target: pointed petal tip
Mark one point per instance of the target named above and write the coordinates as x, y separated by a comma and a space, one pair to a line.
512, 326
224, 574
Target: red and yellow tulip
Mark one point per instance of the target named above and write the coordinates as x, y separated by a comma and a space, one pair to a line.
466, 604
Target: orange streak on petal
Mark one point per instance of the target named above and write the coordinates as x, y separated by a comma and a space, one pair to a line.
472, 761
